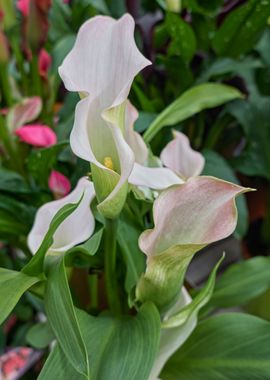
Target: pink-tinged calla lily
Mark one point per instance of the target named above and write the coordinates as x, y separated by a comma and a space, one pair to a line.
187, 218
23, 6
24, 112
37, 135
70, 232
181, 158
59, 184
102, 66
44, 63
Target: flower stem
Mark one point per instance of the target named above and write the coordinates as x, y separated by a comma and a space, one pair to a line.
110, 266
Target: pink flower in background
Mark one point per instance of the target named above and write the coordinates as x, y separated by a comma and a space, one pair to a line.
23, 6
37, 135
59, 184
44, 63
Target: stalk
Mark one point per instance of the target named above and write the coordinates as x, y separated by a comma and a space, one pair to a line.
110, 266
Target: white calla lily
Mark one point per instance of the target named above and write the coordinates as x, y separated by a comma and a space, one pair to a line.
102, 65
75, 229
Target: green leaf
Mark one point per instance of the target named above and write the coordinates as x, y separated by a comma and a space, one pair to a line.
194, 100
242, 28
255, 157
62, 318
40, 162
201, 299
12, 286
118, 348
231, 347
12, 182
183, 38
127, 237
60, 50
35, 265
217, 166
90, 247
242, 282
40, 335
223, 66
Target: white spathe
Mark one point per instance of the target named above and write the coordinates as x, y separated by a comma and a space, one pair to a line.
75, 229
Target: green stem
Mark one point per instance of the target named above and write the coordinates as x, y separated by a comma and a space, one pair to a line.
5, 85
10, 148
110, 266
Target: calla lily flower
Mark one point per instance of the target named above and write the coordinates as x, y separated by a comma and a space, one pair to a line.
181, 158
24, 112
59, 184
70, 232
37, 135
187, 218
101, 66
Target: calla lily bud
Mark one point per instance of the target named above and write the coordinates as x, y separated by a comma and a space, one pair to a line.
36, 24
44, 63
37, 135
24, 112
187, 218
70, 232
59, 184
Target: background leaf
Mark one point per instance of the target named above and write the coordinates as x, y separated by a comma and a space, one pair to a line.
242, 28
230, 347
192, 101
242, 282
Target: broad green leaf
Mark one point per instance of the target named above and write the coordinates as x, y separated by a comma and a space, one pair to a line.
118, 348
242, 28
194, 100
12, 286
35, 265
217, 166
183, 38
231, 347
242, 282
127, 237
40, 335
62, 318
